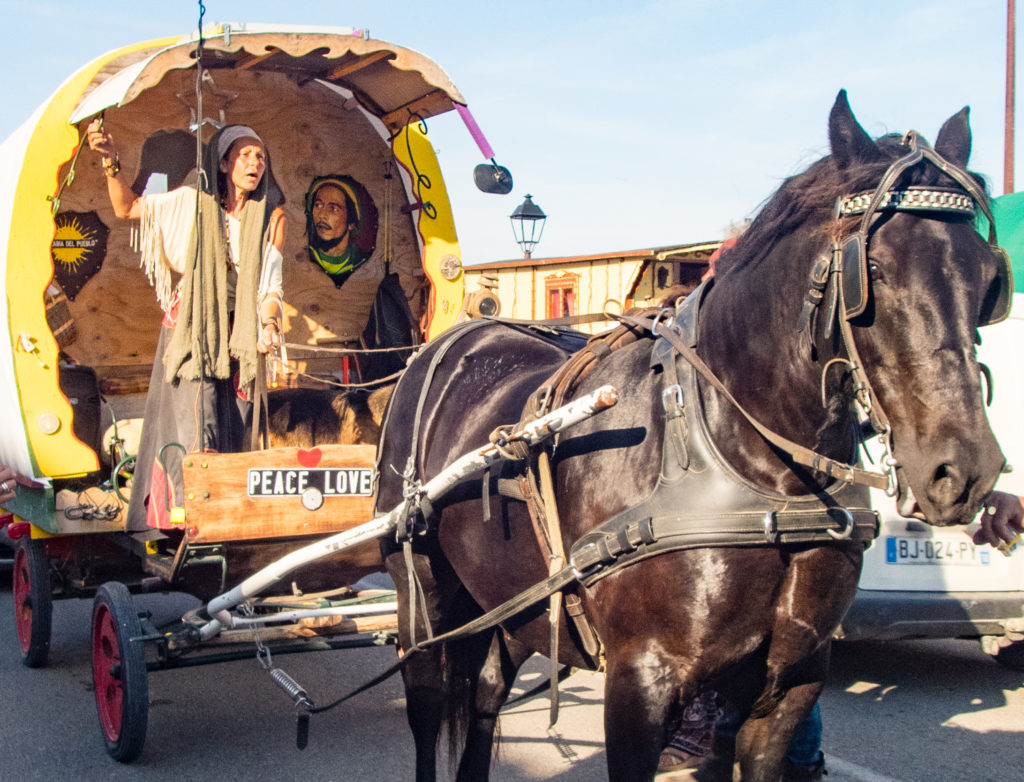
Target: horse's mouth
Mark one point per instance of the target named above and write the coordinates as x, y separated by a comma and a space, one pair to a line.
907, 505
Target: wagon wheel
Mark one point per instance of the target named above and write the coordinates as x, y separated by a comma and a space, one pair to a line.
119, 672
33, 602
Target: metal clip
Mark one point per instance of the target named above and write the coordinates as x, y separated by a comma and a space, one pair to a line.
771, 527
27, 343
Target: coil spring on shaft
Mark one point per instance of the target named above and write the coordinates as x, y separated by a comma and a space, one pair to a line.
294, 690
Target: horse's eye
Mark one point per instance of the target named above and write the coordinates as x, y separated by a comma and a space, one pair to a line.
874, 271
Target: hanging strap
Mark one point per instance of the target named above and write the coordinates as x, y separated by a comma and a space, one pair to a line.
259, 438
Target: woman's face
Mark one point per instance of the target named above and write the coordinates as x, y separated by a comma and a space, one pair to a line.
245, 163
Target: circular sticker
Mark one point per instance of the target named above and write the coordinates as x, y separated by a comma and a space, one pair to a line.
450, 267
312, 498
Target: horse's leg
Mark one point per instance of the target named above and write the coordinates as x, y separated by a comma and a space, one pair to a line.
762, 742
642, 694
423, 672
494, 680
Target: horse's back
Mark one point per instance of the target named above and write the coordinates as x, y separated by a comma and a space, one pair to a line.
463, 385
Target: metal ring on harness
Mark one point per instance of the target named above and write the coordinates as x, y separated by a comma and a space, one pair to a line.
665, 312
848, 526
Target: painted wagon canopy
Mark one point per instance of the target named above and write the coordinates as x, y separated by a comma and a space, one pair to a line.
391, 82
327, 100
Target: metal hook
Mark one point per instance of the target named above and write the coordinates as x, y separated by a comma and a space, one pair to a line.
848, 526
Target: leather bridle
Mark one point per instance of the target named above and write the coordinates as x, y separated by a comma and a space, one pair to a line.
840, 280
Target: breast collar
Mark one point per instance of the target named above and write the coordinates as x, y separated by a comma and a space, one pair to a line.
701, 501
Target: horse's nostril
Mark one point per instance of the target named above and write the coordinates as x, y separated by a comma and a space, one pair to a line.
946, 486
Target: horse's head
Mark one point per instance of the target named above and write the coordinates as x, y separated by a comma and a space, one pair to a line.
915, 281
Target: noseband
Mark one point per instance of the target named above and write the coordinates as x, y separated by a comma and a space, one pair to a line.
841, 279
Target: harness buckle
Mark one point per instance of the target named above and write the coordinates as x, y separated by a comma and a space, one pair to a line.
585, 561
544, 400
771, 527
672, 401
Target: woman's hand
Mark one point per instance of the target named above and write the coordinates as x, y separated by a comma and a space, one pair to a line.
99, 140
1002, 519
8, 482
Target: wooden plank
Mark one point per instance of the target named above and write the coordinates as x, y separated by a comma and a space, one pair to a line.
258, 495
272, 633
251, 62
400, 117
344, 70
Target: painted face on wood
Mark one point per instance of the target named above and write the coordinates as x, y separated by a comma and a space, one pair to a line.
330, 217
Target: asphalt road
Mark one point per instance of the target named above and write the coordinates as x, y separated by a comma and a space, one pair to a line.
913, 711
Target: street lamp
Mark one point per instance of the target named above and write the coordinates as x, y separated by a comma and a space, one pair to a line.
528, 224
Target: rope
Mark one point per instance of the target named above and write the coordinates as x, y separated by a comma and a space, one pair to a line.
420, 180
381, 381
199, 260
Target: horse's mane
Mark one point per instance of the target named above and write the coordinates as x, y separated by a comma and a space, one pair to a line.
810, 198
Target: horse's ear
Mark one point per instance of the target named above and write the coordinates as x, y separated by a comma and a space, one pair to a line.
849, 142
954, 141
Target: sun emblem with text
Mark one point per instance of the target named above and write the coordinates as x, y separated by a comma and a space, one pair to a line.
78, 248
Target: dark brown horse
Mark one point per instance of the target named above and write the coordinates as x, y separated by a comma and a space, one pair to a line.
752, 621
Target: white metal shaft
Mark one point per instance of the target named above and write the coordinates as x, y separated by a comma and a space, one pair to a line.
533, 432
309, 613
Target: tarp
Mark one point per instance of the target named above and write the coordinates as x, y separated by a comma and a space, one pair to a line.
1008, 211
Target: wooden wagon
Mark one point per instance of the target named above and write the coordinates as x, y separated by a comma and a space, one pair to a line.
81, 323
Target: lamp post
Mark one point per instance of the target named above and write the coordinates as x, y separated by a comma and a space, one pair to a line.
527, 225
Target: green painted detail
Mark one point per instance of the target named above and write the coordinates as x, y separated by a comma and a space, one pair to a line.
35, 505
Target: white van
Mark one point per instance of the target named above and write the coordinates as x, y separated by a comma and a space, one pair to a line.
921, 581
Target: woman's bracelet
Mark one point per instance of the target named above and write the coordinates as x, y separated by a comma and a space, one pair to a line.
111, 166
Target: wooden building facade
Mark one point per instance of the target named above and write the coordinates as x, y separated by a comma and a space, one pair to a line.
542, 288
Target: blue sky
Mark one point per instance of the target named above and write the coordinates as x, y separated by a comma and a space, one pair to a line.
633, 124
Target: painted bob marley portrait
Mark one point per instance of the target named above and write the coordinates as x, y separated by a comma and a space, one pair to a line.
341, 225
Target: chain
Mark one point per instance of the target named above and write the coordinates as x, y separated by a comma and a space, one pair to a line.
889, 463
262, 652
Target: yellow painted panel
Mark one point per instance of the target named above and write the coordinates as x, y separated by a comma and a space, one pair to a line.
436, 226
47, 413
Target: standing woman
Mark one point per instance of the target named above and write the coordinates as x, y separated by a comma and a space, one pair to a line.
224, 238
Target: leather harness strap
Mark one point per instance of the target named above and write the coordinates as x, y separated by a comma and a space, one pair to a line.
800, 454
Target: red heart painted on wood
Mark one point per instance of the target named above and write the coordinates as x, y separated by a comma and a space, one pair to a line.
310, 458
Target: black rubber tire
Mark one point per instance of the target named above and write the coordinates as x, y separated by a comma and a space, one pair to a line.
1011, 656
33, 601
119, 673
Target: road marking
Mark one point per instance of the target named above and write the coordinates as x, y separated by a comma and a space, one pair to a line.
853, 771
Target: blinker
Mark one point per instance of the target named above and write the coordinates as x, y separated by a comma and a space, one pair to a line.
996, 305
854, 275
